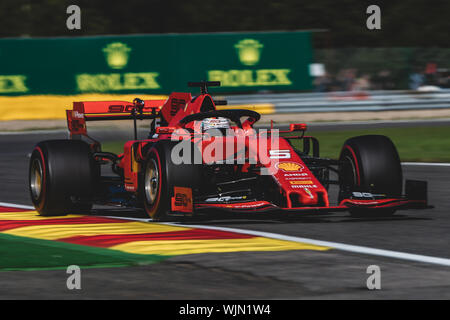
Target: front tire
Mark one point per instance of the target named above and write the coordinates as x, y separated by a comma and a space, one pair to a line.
161, 176
371, 164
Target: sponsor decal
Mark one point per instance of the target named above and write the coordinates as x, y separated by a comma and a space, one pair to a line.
296, 182
77, 115
366, 195
297, 178
296, 175
182, 199
309, 193
117, 108
280, 154
226, 199
249, 54
117, 54
116, 81
117, 57
13, 83
251, 78
249, 51
243, 206
302, 186
364, 202
289, 166
175, 105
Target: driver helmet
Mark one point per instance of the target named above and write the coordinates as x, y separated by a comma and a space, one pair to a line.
215, 123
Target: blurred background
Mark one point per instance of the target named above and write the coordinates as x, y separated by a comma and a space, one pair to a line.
410, 49
298, 61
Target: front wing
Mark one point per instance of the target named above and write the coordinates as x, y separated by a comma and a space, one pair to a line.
345, 205
415, 198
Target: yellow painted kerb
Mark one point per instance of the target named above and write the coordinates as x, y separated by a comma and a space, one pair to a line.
43, 107
179, 247
60, 231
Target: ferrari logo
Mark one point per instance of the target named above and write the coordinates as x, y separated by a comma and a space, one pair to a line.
309, 193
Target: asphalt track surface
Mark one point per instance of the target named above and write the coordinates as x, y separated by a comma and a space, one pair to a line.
303, 274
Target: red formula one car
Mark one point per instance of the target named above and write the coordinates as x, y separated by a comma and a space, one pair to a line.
197, 158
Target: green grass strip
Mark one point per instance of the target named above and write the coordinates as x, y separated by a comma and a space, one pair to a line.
21, 253
413, 143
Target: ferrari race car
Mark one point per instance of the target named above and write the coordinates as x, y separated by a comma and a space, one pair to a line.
197, 157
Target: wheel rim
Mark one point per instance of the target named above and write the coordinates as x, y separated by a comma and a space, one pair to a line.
151, 182
36, 178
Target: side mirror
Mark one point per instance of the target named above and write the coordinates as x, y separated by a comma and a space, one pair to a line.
297, 127
160, 130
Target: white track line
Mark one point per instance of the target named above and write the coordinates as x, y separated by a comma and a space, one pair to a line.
13, 205
334, 245
365, 122
30, 132
430, 164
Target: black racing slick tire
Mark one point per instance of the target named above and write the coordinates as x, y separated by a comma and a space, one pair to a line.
370, 164
160, 177
62, 177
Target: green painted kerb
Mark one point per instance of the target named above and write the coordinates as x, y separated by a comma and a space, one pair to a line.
21, 253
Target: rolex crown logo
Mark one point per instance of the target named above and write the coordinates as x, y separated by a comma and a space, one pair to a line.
117, 54
249, 51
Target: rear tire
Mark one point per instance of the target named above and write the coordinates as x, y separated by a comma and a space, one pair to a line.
161, 175
370, 163
61, 173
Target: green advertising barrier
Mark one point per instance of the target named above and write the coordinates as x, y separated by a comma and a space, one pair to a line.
155, 64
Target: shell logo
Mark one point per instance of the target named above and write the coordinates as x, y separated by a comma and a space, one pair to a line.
289, 166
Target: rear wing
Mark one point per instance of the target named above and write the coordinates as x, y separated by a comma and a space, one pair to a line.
108, 110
